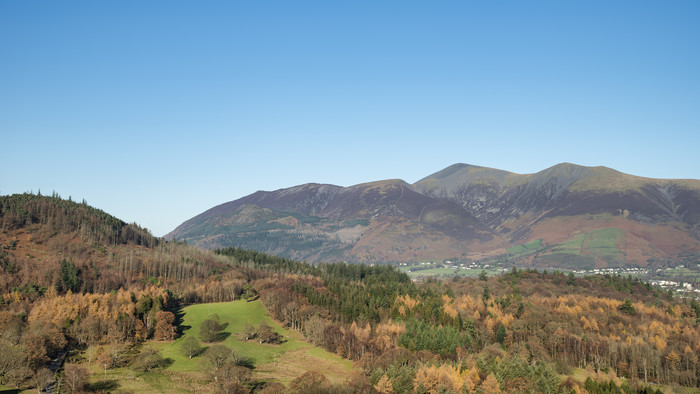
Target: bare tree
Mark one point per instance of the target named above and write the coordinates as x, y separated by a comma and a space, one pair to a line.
75, 377
42, 379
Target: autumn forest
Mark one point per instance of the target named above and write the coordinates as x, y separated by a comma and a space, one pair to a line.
74, 280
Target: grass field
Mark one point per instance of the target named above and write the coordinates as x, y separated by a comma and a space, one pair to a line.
602, 242
572, 246
525, 249
281, 363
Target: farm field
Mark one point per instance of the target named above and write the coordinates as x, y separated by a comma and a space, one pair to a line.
597, 248
525, 249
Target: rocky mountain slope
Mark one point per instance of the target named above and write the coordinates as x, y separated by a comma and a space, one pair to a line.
567, 215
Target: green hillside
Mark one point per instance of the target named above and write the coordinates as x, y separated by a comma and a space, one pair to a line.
235, 315
526, 248
270, 362
579, 251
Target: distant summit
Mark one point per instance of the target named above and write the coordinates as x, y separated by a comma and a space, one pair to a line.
579, 216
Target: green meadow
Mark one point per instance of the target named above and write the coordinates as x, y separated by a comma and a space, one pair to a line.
272, 362
602, 243
234, 316
526, 249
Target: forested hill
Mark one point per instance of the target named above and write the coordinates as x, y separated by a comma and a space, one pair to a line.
58, 216
515, 332
47, 242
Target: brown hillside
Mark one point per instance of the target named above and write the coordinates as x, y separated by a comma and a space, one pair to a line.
462, 211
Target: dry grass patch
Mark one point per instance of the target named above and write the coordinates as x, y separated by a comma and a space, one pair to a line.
288, 366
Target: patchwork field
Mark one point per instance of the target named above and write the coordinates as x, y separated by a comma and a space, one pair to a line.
595, 248
525, 249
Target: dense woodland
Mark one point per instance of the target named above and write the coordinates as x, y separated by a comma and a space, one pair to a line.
73, 277
541, 324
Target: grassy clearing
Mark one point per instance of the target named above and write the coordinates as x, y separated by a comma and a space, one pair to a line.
234, 316
281, 363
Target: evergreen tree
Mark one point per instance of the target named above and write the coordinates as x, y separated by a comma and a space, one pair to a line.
501, 334
70, 277
627, 307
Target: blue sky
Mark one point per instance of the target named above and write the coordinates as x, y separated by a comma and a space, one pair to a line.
156, 111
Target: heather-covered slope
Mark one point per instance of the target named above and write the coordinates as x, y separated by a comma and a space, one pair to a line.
466, 211
385, 220
496, 196
635, 218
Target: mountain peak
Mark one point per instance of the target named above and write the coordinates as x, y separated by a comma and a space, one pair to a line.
457, 176
464, 210
382, 183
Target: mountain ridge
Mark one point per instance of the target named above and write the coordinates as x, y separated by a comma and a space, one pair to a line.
462, 211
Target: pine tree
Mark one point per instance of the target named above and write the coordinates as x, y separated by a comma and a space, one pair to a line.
501, 334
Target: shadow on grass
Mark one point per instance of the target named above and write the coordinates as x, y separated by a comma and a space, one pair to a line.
218, 337
221, 336
179, 319
102, 386
167, 362
200, 351
246, 362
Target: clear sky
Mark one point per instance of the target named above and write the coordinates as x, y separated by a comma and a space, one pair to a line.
155, 111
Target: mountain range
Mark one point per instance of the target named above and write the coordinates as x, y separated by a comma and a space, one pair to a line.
564, 216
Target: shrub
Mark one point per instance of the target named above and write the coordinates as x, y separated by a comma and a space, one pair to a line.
190, 347
148, 360
209, 330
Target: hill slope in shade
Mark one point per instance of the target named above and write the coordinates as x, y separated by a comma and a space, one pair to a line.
465, 211
40, 234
